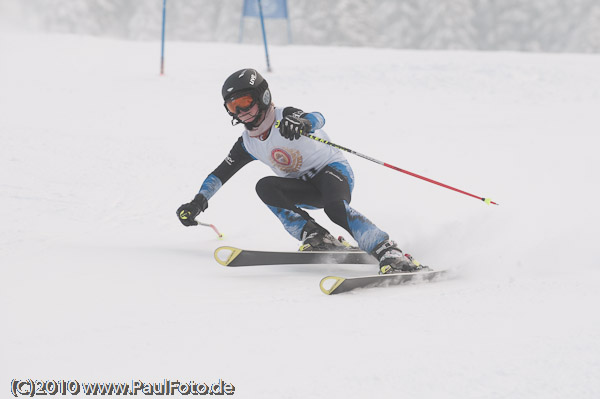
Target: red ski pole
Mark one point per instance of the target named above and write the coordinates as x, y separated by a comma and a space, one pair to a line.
339, 147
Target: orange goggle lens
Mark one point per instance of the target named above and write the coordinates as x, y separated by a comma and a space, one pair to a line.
242, 103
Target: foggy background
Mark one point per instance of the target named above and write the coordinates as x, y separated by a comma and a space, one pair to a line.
514, 25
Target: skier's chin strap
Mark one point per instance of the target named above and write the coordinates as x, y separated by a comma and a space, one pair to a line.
249, 125
261, 123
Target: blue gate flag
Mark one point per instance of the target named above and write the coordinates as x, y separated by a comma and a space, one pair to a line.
270, 9
162, 46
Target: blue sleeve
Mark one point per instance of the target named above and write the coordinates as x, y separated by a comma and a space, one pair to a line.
211, 185
316, 119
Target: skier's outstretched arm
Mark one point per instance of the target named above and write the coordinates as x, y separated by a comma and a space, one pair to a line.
238, 157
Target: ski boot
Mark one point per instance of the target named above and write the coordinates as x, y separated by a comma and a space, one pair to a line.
393, 260
316, 238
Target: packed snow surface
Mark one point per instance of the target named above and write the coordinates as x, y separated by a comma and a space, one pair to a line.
100, 282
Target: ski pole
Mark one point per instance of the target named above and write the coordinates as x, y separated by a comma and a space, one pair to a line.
212, 226
339, 147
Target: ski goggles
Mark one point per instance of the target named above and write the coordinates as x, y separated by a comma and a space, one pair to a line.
240, 104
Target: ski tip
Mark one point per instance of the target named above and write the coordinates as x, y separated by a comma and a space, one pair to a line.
327, 288
225, 255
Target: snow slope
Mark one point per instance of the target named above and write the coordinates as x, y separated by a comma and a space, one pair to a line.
100, 282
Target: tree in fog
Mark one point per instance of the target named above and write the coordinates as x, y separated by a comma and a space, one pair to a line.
521, 25
447, 24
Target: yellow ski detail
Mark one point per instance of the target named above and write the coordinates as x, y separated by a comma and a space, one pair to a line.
337, 282
304, 247
222, 250
385, 269
346, 243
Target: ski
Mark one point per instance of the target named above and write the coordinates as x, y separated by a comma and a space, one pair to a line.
234, 257
331, 285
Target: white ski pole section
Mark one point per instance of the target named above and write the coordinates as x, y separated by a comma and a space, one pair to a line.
212, 226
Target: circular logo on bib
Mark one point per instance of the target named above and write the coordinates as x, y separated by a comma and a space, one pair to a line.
286, 160
281, 157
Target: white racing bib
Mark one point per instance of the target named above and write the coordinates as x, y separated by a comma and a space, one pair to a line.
292, 158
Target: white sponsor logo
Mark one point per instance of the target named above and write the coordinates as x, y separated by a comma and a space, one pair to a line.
334, 175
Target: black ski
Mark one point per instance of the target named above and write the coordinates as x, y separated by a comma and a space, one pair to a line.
335, 285
233, 257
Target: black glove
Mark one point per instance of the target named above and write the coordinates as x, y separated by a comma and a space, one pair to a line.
292, 127
188, 212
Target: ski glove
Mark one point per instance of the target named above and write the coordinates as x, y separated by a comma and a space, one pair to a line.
292, 127
188, 212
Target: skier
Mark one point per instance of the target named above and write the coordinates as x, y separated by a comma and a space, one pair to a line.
310, 175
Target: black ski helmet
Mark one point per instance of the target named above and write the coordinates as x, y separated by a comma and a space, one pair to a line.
247, 81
